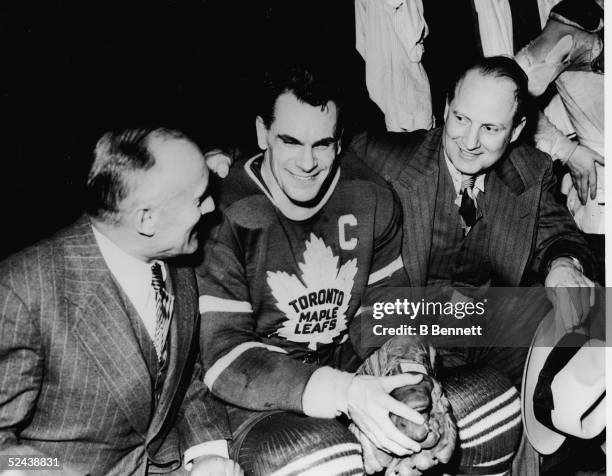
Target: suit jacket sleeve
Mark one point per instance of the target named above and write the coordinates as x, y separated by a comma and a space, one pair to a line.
21, 372
21, 367
557, 234
385, 153
202, 417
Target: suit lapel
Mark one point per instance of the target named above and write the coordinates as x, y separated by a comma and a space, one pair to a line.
417, 185
103, 327
181, 335
512, 210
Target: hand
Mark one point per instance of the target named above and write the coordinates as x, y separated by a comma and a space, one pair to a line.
440, 441
374, 460
369, 405
218, 162
437, 436
581, 165
213, 465
571, 293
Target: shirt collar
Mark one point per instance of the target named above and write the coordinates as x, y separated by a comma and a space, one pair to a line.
121, 264
457, 178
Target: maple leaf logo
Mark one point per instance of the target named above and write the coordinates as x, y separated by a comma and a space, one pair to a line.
316, 305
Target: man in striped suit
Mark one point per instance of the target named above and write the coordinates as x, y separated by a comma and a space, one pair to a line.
480, 212
479, 206
99, 328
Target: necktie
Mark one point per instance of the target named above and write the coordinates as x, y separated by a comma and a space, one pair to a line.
467, 209
162, 310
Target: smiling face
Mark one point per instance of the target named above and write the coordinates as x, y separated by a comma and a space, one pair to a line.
300, 145
175, 191
479, 122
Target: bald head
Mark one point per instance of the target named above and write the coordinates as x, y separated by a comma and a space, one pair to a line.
503, 68
148, 189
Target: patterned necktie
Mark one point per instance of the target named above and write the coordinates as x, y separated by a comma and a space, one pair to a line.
467, 210
162, 310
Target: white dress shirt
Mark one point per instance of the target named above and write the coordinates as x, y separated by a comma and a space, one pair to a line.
458, 178
134, 277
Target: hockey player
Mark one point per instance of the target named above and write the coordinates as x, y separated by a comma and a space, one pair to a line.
301, 237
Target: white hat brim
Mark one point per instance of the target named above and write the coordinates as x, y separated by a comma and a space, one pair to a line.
543, 439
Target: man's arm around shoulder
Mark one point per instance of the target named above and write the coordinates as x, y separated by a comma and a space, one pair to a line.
385, 153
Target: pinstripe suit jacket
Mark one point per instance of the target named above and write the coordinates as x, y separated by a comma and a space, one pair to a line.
527, 227
77, 370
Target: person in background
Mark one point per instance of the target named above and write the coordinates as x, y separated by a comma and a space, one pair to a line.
569, 52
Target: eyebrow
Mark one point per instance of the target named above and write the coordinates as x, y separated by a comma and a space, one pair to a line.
289, 139
493, 124
326, 141
292, 140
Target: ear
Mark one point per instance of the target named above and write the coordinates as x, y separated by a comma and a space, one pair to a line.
339, 142
262, 133
516, 132
145, 222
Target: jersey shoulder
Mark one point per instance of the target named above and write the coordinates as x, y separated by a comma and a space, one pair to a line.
241, 200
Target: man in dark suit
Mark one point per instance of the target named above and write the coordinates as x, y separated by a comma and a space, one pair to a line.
479, 213
479, 208
99, 352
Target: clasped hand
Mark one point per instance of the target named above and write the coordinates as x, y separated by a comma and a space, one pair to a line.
369, 405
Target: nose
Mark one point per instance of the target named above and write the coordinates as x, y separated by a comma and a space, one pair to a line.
471, 138
207, 206
306, 161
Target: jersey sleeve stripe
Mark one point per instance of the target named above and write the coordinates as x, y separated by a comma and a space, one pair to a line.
497, 402
345, 453
224, 362
214, 304
496, 461
489, 436
491, 421
387, 271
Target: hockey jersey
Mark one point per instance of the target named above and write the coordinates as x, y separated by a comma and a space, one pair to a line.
278, 295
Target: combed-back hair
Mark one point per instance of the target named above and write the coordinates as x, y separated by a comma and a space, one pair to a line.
310, 82
503, 67
118, 155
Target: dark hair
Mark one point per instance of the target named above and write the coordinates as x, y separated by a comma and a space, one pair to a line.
311, 83
502, 67
117, 155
